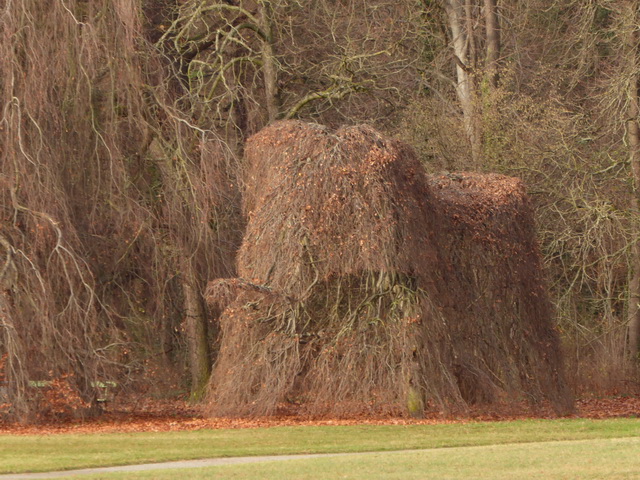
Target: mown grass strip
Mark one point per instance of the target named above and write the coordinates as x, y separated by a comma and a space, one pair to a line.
71, 451
613, 459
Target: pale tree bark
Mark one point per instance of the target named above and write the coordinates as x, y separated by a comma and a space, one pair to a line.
633, 140
492, 28
472, 52
456, 11
269, 67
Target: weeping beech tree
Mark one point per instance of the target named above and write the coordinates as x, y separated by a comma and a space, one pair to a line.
113, 206
366, 286
122, 124
561, 117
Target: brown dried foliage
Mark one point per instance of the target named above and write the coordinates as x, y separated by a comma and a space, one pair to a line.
378, 288
106, 199
492, 275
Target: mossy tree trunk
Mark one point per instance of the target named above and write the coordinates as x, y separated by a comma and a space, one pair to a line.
196, 333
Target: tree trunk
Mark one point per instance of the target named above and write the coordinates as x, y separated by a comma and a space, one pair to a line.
492, 27
197, 338
472, 53
195, 319
633, 137
634, 300
456, 15
269, 68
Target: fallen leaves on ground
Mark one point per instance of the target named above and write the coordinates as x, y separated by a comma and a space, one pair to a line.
177, 415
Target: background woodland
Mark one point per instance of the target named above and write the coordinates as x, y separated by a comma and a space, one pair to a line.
123, 126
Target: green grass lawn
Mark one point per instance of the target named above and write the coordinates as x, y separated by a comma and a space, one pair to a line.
71, 451
611, 459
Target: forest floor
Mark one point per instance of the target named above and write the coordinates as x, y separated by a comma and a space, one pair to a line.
152, 415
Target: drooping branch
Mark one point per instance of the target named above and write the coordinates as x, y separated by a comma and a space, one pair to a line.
335, 92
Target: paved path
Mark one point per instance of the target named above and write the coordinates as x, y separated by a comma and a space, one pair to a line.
208, 462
